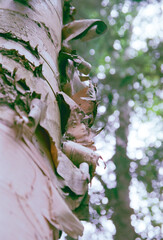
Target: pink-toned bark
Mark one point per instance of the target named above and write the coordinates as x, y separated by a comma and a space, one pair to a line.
31, 203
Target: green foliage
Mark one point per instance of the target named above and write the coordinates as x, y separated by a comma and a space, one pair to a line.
124, 74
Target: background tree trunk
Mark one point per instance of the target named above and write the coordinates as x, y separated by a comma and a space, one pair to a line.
120, 195
119, 201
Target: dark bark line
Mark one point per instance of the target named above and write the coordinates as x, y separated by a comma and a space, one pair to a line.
25, 44
21, 59
39, 27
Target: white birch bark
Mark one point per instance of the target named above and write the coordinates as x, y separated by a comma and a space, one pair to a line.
31, 205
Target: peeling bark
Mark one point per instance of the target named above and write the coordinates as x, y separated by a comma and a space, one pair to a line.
40, 185
32, 204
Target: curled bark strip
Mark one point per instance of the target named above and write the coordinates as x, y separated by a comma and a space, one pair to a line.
85, 101
84, 78
77, 124
74, 177
84, 168
72, 84
84, 29
69, 64
82, 65
34, 116
76, 84
61, 216
79, 154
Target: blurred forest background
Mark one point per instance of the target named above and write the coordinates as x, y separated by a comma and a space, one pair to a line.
126, 200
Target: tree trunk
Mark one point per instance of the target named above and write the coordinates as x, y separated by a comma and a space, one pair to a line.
120, 198
31, 203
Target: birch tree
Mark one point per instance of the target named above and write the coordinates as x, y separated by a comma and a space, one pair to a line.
47, 155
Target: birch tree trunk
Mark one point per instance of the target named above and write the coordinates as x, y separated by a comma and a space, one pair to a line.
31, 205
41, 180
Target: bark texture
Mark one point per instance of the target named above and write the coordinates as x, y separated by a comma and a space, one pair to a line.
31, 204
44, 179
